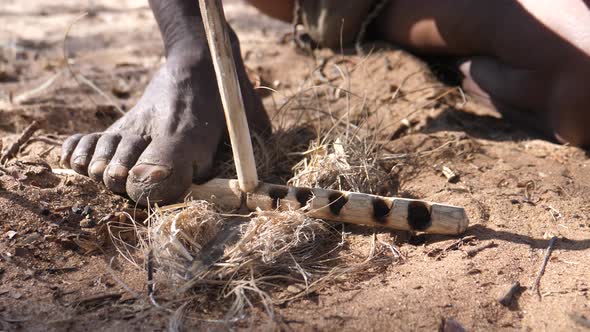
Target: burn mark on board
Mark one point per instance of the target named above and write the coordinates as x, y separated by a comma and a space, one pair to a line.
303, 196
419, 217
276, 193
337, 200
380, 210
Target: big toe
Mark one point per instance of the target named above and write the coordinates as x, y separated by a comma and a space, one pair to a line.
162, 174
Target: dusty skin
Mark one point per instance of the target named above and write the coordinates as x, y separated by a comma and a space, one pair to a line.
517, 188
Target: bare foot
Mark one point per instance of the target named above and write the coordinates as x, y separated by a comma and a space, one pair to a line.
170, 138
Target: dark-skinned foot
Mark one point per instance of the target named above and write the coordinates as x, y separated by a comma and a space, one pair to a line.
170, 138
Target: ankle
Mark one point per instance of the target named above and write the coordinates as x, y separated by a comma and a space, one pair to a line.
194, 50
189, 54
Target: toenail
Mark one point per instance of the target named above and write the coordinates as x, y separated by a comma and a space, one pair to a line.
150, 174
117, 171
97, 167
81, 160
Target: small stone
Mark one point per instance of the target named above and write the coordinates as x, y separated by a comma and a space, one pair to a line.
11, 234
77, 210
121, 89
20, 251
87, 211
49, 238
295, 289
87, 223
452, 176
32, 238
451, 325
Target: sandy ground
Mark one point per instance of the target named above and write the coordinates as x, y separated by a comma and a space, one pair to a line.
519, 190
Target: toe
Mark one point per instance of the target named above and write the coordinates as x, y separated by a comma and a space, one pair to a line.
103, 153
128, 151
163, 173
68, 148
83, 153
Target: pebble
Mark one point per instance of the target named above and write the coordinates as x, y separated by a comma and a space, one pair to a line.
294, 289
31, 238
20, 251
87, 211
87, 223
11, 234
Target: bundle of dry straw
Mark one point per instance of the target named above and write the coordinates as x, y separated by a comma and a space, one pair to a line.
273, 250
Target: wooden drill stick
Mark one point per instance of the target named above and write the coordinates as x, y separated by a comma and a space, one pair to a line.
349, 207
342, 206
231, 95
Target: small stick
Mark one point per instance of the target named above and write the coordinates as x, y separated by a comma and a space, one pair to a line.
4, 170
544, 265
231, 95
474, 251
23, 97
97, 299
460, 242
24, 137
150, 273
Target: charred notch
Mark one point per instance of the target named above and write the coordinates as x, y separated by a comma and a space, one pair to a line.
380, 210
276, 193
337, 201
303, 196
419, 217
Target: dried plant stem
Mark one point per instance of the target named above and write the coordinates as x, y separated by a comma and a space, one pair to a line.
23, 138
544, 265
23, 97
79, 78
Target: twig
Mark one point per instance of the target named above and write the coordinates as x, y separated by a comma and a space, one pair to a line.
4, 170
477, 250
25, 96
457, 244
60, 270
150, 273
46, 140
544, 265
97, 299
119, 281
79, 78
24, 137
